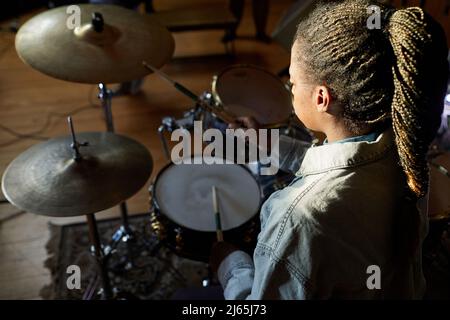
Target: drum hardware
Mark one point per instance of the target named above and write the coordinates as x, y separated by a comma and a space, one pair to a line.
75, 145
77, 179
157, 227
92, 225
169, 124
100, 256
124, 232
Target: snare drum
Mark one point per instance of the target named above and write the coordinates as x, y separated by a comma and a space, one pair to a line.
245, 90
182, 212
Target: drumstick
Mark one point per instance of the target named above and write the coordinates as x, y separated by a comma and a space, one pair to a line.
220, 113
217, 215
177, 85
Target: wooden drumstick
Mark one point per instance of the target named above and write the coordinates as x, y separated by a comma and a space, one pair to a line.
219, 112
177, 85
217, 215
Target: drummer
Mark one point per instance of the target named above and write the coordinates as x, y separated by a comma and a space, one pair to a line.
348, 226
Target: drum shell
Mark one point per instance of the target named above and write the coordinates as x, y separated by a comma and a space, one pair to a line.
195, 244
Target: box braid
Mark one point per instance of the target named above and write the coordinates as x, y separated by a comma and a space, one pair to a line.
394, 76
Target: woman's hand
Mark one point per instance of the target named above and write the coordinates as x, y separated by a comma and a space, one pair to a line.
219, 251
245, 123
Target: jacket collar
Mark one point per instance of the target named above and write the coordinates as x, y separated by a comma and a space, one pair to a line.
332, 156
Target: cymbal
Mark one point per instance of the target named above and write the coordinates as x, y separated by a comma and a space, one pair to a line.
114, 53
46, 180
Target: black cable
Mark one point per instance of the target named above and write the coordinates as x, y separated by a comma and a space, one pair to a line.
12, 216
36, 135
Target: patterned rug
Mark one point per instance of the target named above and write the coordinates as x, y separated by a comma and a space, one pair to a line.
156, 272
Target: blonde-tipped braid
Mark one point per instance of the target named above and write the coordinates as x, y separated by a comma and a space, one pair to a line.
407, 34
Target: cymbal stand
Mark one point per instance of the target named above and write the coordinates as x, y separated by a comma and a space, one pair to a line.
107, 292
124, 233
92, 225
100, 257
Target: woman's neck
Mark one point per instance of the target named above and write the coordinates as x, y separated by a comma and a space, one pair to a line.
340, 132
337, 134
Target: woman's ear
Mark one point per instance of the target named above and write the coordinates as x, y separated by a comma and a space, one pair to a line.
322, 98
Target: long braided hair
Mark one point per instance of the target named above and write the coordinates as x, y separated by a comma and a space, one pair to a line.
393, 76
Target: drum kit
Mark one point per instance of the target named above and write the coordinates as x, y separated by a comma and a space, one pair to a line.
87, 172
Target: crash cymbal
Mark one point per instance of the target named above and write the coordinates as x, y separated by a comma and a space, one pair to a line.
108, 47
47, 180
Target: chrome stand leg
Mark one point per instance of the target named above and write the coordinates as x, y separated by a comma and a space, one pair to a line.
100, 257
124, 232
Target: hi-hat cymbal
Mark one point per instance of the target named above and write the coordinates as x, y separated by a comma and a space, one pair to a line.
46, 179
107, 49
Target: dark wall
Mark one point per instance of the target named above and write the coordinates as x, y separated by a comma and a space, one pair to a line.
14, 8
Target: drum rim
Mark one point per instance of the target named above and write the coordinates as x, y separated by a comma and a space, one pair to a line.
155, 204
442, 215
218, 101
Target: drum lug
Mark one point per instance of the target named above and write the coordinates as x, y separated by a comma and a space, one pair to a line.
179, 243
157, 226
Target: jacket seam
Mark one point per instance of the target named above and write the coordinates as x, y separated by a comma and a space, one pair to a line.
363, 161
291, 208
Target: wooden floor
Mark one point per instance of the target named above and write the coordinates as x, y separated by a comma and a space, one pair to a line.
31, 102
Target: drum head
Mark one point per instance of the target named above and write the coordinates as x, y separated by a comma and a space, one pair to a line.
183, 194
251, 91
439, 190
